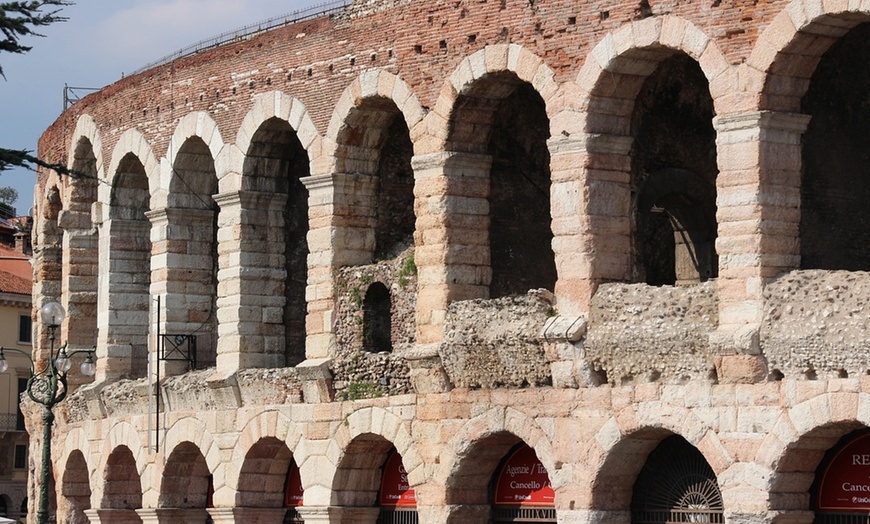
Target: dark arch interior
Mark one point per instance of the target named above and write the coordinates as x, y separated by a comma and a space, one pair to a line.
673, 176
505, 118
130, 252
835, 187
676, 484
193, 184
394, 227
264, 474
76, 487
276, 162
186, 479
358, 478
377, 319
123, 487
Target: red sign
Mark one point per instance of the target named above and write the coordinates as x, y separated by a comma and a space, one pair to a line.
293, 487
845, 484
395, 490
523, 481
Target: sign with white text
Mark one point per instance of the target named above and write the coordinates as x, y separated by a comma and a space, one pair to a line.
395, 489
523, 481
845, 484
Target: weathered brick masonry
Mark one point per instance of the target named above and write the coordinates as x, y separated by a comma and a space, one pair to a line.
625, 234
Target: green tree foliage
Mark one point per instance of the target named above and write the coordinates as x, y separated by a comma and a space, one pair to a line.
18, 20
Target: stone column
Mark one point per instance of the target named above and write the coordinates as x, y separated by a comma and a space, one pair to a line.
247, 515
758, 215
123, 302
451, 193
46, 288
251, 275
341, 221
113, 516
173, 515
79, 281
466, 513
314, 514
591, 206
182, 274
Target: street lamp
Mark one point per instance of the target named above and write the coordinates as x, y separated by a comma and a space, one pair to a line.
48, 387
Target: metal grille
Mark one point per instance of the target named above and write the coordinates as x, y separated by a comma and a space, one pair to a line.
398, 516
842, 518
676, 485
178, 348
293, 517
10, 422
523, 514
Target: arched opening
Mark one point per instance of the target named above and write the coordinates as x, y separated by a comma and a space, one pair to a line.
190, 300
22, 511
123, 487
673, 176
127, 240
377, 319
81, 246
75, 490
676, 484
396, 498
263, 479
357, 479
835, 184
502, 125
5, 501
521, 489
275, 163
186, 479
839, 491
375, 141
470, 489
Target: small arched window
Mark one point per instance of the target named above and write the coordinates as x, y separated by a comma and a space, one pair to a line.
377, 319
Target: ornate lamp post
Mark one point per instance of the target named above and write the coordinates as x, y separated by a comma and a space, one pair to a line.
48, 386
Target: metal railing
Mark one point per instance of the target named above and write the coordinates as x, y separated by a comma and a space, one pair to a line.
11, 422
249, 31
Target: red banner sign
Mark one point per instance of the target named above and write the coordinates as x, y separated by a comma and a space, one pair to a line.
293, 487
395, 490
523, 481
845, 484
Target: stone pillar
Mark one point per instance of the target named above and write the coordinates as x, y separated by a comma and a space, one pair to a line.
113, 516
182, 275
466, 513
247, 515
123, 302
173, 515
314, 514
341, 215
79, 280
46, 288
451, 191
251, 275
758, 215
591, 209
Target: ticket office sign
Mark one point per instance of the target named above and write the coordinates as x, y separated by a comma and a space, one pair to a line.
396, 492
845, 483
524, 481
293, 487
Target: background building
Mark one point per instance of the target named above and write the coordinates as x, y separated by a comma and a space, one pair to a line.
15, 332
586, 262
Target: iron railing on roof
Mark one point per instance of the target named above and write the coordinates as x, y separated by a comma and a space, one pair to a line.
249, 31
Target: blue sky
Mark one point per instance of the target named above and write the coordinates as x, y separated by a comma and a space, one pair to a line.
102, 40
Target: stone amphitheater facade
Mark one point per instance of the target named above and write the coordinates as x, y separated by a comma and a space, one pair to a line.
453, 228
